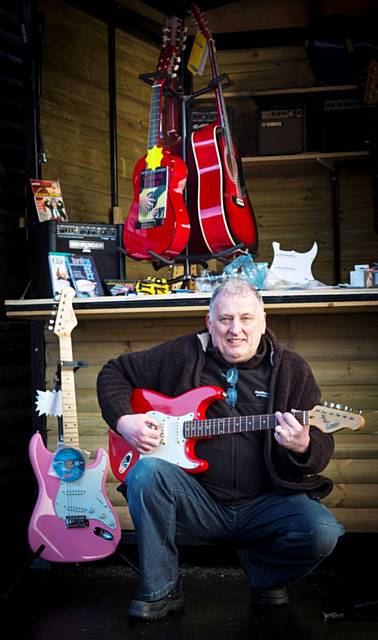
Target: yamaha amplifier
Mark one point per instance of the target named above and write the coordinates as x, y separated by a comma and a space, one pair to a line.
102, 241
281, 129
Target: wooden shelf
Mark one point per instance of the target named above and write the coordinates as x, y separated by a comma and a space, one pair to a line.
308, 156
291, 301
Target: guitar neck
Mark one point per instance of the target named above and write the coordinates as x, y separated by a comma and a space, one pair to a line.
155, 124
222, 115
221, 106
236, 424
70, 424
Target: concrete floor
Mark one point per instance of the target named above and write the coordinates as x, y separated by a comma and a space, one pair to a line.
89, 602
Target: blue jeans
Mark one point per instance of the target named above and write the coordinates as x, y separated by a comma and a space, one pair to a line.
281, 537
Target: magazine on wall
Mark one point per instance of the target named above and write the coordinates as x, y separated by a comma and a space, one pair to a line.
48, 200
84, 275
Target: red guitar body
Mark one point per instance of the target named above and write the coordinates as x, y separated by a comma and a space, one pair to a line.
170, 238
191, 405
223, 222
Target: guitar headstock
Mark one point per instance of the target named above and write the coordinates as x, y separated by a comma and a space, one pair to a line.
201, 21
331, 418
65, 320
174, 36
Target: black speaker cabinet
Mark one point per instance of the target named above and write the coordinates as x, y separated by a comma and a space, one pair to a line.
281, 129
346, 124
102, 241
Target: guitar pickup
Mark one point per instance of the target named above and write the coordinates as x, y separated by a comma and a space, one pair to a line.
77, 522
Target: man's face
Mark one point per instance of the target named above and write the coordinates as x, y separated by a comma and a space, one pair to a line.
236, 325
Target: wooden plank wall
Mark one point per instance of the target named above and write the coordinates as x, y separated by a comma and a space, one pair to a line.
342, 350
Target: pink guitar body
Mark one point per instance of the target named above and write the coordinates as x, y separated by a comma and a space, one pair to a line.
170, 412
58, 499
223, 222
170, 238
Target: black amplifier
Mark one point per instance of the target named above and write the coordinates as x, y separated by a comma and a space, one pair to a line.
280, 129
346, 125
102, 241
207, 115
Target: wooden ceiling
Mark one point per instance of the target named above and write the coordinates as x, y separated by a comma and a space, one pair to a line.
238, 24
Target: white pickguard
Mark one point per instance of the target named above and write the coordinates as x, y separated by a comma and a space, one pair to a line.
172, 447
291, 266
84, 497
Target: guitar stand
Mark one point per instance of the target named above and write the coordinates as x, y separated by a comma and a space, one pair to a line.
187, 260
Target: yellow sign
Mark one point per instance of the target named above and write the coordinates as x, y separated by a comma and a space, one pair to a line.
198, 55
154, 157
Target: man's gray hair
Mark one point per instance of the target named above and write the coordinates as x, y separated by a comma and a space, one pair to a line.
234, 286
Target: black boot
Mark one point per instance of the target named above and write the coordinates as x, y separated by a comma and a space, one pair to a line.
173, 602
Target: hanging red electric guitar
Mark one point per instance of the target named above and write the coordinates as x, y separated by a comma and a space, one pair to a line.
224, 211
182, 421
158, 220
73, 519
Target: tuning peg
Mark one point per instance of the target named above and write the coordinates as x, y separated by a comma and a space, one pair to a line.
339, 406
174, 75
332, 405
178, 59
360, 412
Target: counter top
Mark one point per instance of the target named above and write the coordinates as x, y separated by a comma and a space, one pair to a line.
322, 300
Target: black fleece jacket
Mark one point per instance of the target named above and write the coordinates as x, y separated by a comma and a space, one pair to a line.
175, 367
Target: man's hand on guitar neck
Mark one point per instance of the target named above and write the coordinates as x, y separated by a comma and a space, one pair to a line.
140, 430
291, 434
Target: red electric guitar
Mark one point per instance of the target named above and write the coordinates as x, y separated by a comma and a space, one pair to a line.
222, 208
182, 420
158, 220
73, 519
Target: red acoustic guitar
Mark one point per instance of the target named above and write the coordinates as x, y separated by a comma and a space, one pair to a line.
158, 220
182, 421
224, 211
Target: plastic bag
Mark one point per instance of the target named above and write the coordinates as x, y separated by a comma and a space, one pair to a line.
244, 267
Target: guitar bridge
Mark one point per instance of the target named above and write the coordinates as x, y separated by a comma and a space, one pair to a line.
77, 522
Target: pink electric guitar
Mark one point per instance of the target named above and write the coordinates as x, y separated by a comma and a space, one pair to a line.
73, 519
182, 420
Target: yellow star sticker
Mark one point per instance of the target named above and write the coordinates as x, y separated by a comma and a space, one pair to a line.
154, 157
